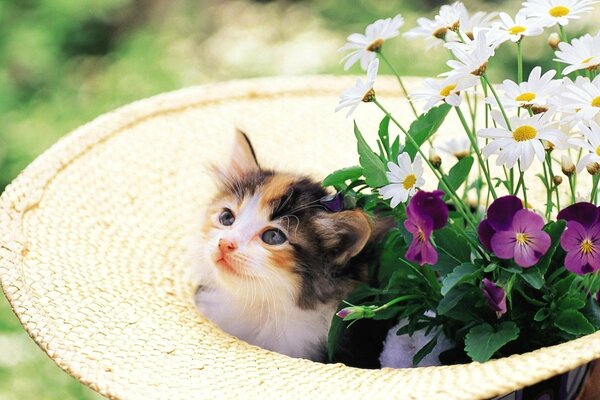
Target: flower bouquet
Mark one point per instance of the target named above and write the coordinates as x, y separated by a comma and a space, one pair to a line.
475, 264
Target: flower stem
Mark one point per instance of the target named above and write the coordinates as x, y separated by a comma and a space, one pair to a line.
522, 182
459, 204
572, 187
473, 141
389, 64
397, 300
594, 195
549, 162
485, 78
519, 62
563, 34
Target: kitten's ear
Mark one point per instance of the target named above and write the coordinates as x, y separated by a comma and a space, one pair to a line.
243, 158
344, 234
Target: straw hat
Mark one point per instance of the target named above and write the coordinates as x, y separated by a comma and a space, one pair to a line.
93, 251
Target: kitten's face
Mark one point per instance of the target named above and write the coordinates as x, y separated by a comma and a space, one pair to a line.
267, 235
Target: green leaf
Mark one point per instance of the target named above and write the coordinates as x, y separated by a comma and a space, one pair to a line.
533, 277
574, 322
425, 126
462, 273
555, 230
458, 173
571, 303
373, 167
343, 175
452, 299
395, 149
428, 348
592, 312
384, 135
484, 340
450, 243
542, 314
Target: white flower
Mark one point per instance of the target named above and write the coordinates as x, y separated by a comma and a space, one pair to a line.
434, 33
470, 24
590, 142
472, 57
551, 12
579, 100
451, 16
458, 147
363, 47
534, 92
360, 91
582, 53
515, 30
523, 142
404, 179
447, 90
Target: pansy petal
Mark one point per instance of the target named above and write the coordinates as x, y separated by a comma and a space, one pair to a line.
583, 212
503, 244
501, 212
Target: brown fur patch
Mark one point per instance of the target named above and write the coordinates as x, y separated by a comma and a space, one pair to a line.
275, 188
282, 258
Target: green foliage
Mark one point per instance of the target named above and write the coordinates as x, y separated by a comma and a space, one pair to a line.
484, 340
339, 177
458, 173
373, 168
425, 126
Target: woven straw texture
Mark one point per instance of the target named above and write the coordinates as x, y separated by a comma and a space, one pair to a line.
93, 250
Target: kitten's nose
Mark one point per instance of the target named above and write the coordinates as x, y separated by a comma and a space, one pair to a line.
226, 246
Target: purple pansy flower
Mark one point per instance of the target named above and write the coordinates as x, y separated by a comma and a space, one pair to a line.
581, 239
511, 231
333, 202
425, 213
496, 296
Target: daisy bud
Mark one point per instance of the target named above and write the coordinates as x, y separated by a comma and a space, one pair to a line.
548, 146
538, 109
376, 45
593, 168
567, 166
553, 40
434, 158
557, 180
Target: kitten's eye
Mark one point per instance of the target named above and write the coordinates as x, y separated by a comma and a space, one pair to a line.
226, 218
273, 236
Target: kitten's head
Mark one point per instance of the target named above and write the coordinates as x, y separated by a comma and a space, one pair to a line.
268, 235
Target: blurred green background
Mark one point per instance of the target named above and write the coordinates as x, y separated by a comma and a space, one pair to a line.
64, 62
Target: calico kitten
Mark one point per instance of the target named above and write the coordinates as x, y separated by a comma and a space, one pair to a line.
274, 264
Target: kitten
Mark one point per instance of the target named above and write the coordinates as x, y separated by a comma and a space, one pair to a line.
274, 264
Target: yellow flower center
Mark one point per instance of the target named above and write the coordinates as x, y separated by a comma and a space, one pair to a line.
586, 60
446, 91
524, 132
522, 238
527, 96
586, 246
559, 11
596, 101
598, 151
421, 235
515, 30
409, 181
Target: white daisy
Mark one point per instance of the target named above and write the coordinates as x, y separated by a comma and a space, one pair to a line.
589, 142
434, 33
458, 147
523, 142
582, 53
361, 91
472, 57
363, 47
447, 90
551, 12
451, 16
515, 30
533, 93
579, 100
469, 24
404, 179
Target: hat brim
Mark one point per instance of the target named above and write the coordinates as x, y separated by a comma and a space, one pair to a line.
93, 250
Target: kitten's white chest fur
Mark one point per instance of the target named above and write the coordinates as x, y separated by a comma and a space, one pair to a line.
279, 326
